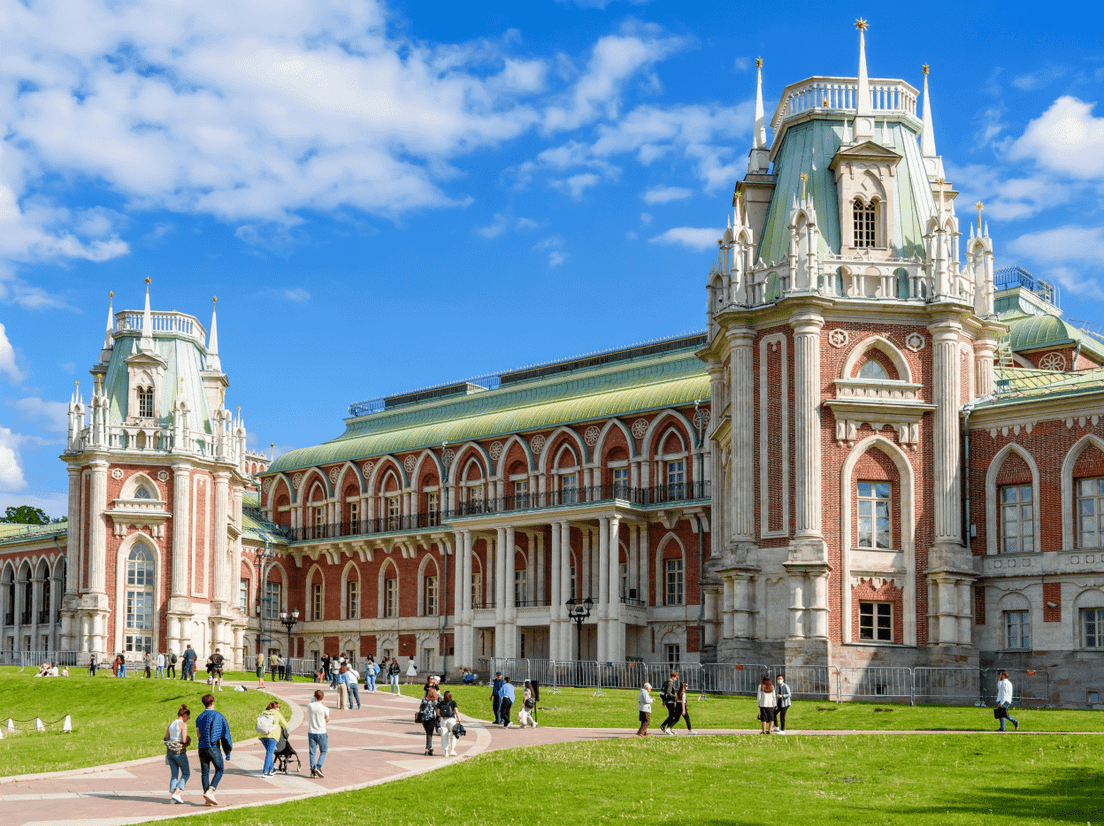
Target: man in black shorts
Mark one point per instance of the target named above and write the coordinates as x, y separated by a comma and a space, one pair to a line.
217, 663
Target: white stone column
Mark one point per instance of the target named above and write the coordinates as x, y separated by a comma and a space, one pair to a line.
73, 533
180, 554
727, 606
711, 617
466, 597
220, 563
719, 492
819, 607
603, 589
807, 326
743, 433
509, 563
555, 599
500, 592
615, 629
946, 448
797, 604
97, 535
566, 639
458, 600
645, 552
542, 569
965, 620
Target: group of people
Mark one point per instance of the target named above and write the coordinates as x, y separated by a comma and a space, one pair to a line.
49, 669
165, 665
439, 714
214, 744
772, 701
503, 697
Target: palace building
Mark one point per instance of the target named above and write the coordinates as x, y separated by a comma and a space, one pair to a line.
882, 451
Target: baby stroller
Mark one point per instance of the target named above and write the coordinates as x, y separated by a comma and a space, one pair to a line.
284, 752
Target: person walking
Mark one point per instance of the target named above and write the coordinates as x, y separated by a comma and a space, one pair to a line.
393, 671
217, 663
260, 670
370, 669
342, 689
507, 695
784, 694
318, 715
147, 663
92, 666
427, 715
269, 738
170, 671
767, 701
351, 680
411, 671
684, 710
176, 753
1004, 701
187, 672
496, 698
160, 666
120, 671
273, 664
669, 693
449, 715
528, 706
644, 708
213, 735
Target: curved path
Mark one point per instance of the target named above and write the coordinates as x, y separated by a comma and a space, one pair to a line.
376, 744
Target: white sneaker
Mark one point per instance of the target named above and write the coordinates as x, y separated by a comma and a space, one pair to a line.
452, 753
692, 732
176, 798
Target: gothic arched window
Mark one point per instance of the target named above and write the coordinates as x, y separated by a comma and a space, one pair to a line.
866, 223
145, 402
139, 600
873, 369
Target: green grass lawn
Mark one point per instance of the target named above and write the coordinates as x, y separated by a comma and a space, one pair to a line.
113, 719
617, 709
862, 779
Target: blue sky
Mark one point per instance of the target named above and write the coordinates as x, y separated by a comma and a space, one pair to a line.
389, 196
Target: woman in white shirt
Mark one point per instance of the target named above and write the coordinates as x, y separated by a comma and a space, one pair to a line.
176, 754
317, 738
767, 701
1004, 700
644, 706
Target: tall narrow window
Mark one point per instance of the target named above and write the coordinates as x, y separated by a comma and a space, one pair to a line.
390, 597
876, 621
676, 480
1092, 627
520, 593
1017, 625
477, 588
352, 599
393, 511
865, 223
521, 493
574, 585
243, 596
1090, 512
316, 601
430, 599
354, 518
272, 600
674, 580
620, 482
319, 522
139, 600
145, 402
433, 508
874, 500
1017, 519
475, 498
673, 652
569, 489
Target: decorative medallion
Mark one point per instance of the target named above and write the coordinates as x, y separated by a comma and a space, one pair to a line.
410, 462
333, 474
915, 342
267, 485
591, 435
450, 454
701, 418
297, 480
367, 468
163, 475
117, 473
639, 428
839, 338
537, 443
496, 450
1053, 361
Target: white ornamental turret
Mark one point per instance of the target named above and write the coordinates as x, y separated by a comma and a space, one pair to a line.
759, 160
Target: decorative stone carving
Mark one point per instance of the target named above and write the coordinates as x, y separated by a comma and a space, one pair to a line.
839, 338
450, 454
537, 443
496, 450
297, 480
410, 462
701, 418
1053, 361
333, 474
163, 475
117, 474
267, 485
591, 435
639, 428
367, 468
915, 342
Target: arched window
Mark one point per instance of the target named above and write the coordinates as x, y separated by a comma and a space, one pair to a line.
145, 402
873, 369
142, 493
866, 223
139, 600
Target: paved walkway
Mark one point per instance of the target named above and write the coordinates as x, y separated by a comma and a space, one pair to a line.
375, 744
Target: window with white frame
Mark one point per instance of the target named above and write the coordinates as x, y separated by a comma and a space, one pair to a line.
623, 578
876, 621
1090, 511
1092, 627
865, 223
673, 652
354, 515
390, 597
352, 599
393, 512
1017, 519
477, 588
139, 599
873, 369
316, 601
475, 497
676, 479
521, 493
145, 402
673, 579
319, 521
272, 599
142, 492
1017, 629
569, 488
430, 596
620, 477
520, 582
873, 507
433, 507
243, 596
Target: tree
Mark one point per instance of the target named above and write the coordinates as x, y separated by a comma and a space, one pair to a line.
25, 515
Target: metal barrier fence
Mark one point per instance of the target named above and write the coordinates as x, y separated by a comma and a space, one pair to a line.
956, 686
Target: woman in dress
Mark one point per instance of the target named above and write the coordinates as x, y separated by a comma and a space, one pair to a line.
176, 754
411, 671
767, 701
260, 670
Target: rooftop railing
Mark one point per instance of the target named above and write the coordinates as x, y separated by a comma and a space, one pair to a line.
162, 322
839, 94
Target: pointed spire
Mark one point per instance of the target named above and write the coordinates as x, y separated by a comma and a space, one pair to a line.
862, 103
213, 361
760, 138
108, 340
927, 137
146, 344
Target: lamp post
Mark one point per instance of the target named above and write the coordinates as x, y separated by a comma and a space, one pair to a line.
289, 619
579, 611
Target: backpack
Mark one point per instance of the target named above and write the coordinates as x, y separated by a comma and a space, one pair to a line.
174, 659
428, 711
265, 723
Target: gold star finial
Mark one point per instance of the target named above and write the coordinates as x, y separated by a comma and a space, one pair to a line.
979, 206
925, 68
110, 293
214, 299
861, 25
758, 63
147, 280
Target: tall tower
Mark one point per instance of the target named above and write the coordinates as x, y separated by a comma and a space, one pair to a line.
156, 474
845, 336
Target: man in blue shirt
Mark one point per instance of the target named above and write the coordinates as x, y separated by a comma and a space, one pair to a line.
214, 737
496, 699
506, 701
188, 670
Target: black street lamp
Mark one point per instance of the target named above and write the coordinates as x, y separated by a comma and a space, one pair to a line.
579, 611
289, 619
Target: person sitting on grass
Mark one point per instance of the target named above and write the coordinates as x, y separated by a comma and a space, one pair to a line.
42, 669
469, 678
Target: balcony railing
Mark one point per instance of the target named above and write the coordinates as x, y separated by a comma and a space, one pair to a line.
43, 617
9, 618
25, 617
643, 497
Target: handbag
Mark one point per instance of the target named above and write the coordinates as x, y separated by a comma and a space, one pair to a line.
458, 730
173, 747
999, 713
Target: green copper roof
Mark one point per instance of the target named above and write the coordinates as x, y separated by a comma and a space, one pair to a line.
1016, 384
639, 385
1032, 332
10, 532
254, 525
809, 148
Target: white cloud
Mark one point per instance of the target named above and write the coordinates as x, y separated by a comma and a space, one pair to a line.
1066, 138
555, 258
1037, 80
11, 471
1008, 197
296, 294
645, 218
1061, 250
55, 415
666, 194
575, 185
502, 223
7, 358
693, 237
